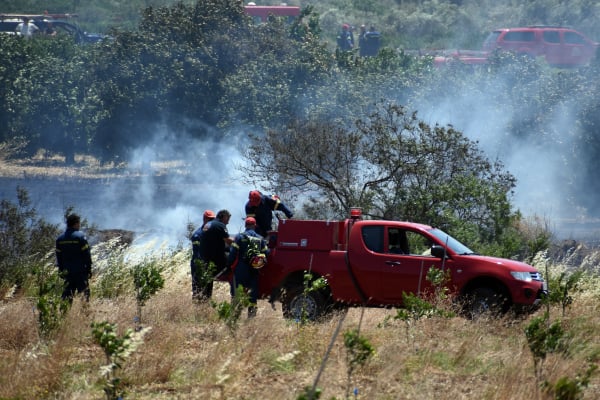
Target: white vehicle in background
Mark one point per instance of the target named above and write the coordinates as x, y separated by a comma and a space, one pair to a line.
50, 25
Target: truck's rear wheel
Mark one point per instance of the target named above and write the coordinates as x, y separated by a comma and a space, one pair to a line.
302, 306
485, 301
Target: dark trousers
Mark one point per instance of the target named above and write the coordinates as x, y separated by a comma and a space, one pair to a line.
202, 285
246, 276
76, 286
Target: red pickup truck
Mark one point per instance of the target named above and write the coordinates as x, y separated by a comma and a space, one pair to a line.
372, 262
559, 46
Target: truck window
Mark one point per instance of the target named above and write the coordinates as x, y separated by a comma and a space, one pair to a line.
519, 36
491, 40
574, 38
419, 244
397, 242
373, 238
551, 37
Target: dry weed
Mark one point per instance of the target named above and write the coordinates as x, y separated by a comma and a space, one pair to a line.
190, 354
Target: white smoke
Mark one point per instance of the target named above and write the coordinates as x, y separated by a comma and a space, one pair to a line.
540, 164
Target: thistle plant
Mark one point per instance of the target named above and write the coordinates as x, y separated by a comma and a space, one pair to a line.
50, 306
230, 312
116, 349
147, 280
358, 351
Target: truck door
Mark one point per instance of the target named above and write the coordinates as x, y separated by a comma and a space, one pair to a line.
405, 263
552, 47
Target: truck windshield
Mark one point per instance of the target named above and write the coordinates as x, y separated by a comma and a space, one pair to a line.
450, 242
490, 42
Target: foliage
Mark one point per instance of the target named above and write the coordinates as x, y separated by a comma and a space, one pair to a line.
24, 239
310, 284
50, 306
310, 394
116, 349
205, 271
566, 388
415, 307
147, 280
393, 166
562, 287
230, 312
544, 337
358, 351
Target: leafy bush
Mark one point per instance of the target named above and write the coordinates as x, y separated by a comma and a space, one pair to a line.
50, 306
147, 280
24, 240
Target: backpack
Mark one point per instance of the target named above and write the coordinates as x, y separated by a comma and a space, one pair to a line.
252, 254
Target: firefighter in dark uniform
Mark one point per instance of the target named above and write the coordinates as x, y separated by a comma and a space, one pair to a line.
74, 259
213, 250
196, 262
248, 254
261, 207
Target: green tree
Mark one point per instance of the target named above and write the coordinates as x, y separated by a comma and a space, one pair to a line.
24, 239
392, 165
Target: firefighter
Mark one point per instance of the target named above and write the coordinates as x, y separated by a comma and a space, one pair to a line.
345, 38
196, 262
261, 207
213, 251
248, 254
74, 260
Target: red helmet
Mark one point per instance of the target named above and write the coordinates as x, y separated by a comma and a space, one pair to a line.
254, 198
250, 221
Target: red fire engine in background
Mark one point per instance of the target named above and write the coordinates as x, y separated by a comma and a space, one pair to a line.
261, 14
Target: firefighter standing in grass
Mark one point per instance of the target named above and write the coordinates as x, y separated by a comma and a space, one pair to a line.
196, 263
213, 251
345, 38
248, 254
74, 259
261, 207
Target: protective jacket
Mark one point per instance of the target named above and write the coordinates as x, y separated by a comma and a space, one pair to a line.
263, 212
240, 258
212, 246
73, 256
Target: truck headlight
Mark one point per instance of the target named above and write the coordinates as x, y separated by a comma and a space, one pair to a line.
521, 276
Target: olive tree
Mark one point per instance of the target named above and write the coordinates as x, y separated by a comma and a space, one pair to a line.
392, 165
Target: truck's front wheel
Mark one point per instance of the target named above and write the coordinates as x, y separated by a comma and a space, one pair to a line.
485, 300
302, 306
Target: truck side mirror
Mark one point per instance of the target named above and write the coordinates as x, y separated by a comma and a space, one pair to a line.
438, 251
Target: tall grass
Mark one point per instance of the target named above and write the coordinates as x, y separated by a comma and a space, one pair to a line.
190, 354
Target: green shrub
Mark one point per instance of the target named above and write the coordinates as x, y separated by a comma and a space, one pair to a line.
24, 239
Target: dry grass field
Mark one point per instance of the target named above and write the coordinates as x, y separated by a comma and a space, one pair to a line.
188, 353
